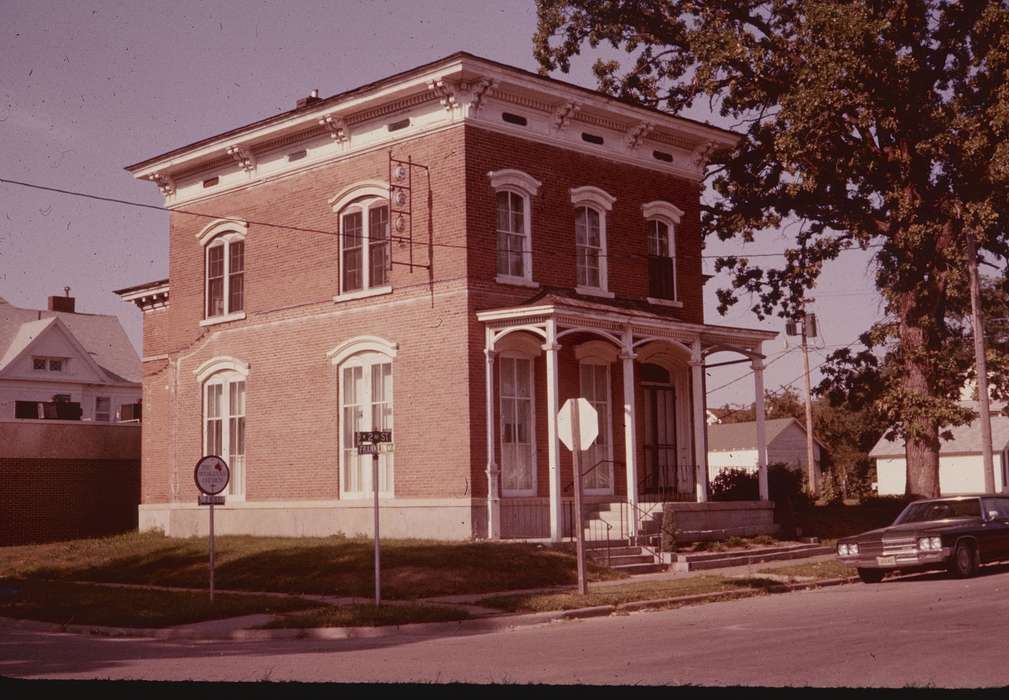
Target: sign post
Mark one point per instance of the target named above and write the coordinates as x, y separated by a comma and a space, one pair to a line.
375, 442
578, 427
212, 476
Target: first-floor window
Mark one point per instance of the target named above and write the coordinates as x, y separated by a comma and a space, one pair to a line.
518, 466
224, 425
597, 469
366, 404
103, 409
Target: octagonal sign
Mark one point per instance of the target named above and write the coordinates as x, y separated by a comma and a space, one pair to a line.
588, 423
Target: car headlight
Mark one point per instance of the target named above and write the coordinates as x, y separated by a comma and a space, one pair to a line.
936, 543
852, 549
924, 544
842, 550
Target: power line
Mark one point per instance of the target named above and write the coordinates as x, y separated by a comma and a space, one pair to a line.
396, 239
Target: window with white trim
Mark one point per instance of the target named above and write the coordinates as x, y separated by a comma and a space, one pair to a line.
103, 409
364, 245
518, 462
224, 425
225, 268
366, 403
661, 260
514, 190
591, 205
597, 460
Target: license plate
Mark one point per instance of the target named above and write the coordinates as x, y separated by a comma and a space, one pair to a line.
886, 561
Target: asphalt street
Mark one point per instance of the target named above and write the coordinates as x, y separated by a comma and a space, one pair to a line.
920, 631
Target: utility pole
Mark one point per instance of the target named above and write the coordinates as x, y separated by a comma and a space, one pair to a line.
810, 462
981, 367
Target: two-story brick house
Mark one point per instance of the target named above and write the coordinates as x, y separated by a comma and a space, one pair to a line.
449, 253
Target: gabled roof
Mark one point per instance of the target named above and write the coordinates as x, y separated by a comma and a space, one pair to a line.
966, 438
743, 436
100, 337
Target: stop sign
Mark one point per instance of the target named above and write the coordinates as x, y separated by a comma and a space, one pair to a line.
588, 423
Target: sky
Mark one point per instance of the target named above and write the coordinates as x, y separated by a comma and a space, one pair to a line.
87, 88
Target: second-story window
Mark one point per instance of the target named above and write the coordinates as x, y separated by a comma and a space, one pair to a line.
591, 269
514, 191
364, 245
225, 275
661, 219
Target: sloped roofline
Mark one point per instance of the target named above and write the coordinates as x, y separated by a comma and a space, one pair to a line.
55, 322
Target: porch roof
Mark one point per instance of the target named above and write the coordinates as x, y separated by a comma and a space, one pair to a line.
570, 310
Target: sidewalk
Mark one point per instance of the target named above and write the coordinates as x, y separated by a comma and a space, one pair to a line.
483, 619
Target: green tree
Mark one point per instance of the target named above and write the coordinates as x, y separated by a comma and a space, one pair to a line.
877, 124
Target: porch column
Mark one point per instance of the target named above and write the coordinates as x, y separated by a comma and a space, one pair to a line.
551, 347
630, 433
700, 421
493, 471
758, 403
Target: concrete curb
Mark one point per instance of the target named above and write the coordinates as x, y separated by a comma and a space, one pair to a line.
493, 623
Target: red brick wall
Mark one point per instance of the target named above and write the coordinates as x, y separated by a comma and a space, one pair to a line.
44, 500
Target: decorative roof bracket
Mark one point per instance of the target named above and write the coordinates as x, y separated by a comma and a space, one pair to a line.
165, 183
244, 157
564, 113
336, 126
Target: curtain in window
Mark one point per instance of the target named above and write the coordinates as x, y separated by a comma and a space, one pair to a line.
517, 467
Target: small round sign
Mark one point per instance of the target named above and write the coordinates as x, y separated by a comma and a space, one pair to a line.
212, 475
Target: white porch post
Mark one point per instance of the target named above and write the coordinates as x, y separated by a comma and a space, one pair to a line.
630, 432
493, 496
758, 388
700, 422
553, 448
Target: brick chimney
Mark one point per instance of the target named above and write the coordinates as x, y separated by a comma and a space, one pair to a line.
312, 98
64, 303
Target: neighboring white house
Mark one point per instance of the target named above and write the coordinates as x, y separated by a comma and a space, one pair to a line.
56, 364
961, 464
734, 446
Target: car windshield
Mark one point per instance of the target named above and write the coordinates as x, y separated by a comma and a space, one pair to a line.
940, 510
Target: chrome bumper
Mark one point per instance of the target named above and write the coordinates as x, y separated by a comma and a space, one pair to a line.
896, 561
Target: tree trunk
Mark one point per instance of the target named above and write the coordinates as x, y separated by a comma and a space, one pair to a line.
921, 449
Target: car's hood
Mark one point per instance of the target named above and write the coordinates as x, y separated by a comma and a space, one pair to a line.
923, 527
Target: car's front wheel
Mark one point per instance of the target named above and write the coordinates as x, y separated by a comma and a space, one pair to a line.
964, 561
870, 575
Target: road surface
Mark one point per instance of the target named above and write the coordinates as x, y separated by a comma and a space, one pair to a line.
927, 630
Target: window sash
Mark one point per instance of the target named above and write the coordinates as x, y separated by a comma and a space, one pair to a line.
512, 234
224, 428
594, 383
518, 464
366, 404
103, 409
589, 247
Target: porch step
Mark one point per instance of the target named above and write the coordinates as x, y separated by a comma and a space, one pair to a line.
620, 550
718, 560
648, 568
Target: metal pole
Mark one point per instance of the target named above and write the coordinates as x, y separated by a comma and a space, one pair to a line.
378, 566
211, 552
576, 447
981, 367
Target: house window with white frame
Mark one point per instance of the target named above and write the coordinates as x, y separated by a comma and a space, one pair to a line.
518, 462
364, 245
591, 270
597, 459
224, 425
103, 409
661, 260
225, 284
514, 191
366, 403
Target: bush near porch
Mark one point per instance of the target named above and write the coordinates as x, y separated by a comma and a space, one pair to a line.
336, 566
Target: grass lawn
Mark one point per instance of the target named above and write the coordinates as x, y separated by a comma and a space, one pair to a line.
368, 616
84, 604
330, 566
632, 592
826, 568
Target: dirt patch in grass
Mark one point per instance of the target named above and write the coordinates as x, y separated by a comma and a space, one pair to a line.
328, 566
616, 595
368, 616
86, 604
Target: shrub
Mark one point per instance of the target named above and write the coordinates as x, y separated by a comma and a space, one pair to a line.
734, 485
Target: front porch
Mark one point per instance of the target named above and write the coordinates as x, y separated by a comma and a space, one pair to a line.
644, 373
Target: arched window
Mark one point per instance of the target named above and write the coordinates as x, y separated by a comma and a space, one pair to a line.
661, 219
591, 206
363, 211
514, 189
366, 403
223, 381
224, 266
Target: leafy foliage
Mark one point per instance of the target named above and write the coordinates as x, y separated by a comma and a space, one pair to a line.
879, 125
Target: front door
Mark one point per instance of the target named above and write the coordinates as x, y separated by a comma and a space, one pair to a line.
660, 441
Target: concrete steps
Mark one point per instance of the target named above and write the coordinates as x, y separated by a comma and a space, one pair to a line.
718, 560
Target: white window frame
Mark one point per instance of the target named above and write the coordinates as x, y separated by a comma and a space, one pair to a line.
533, 456
223, 371
526, 187
109, 413
364, 352
362, 196
223, 232
605, 423
670, 215
601, 202
48, 360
